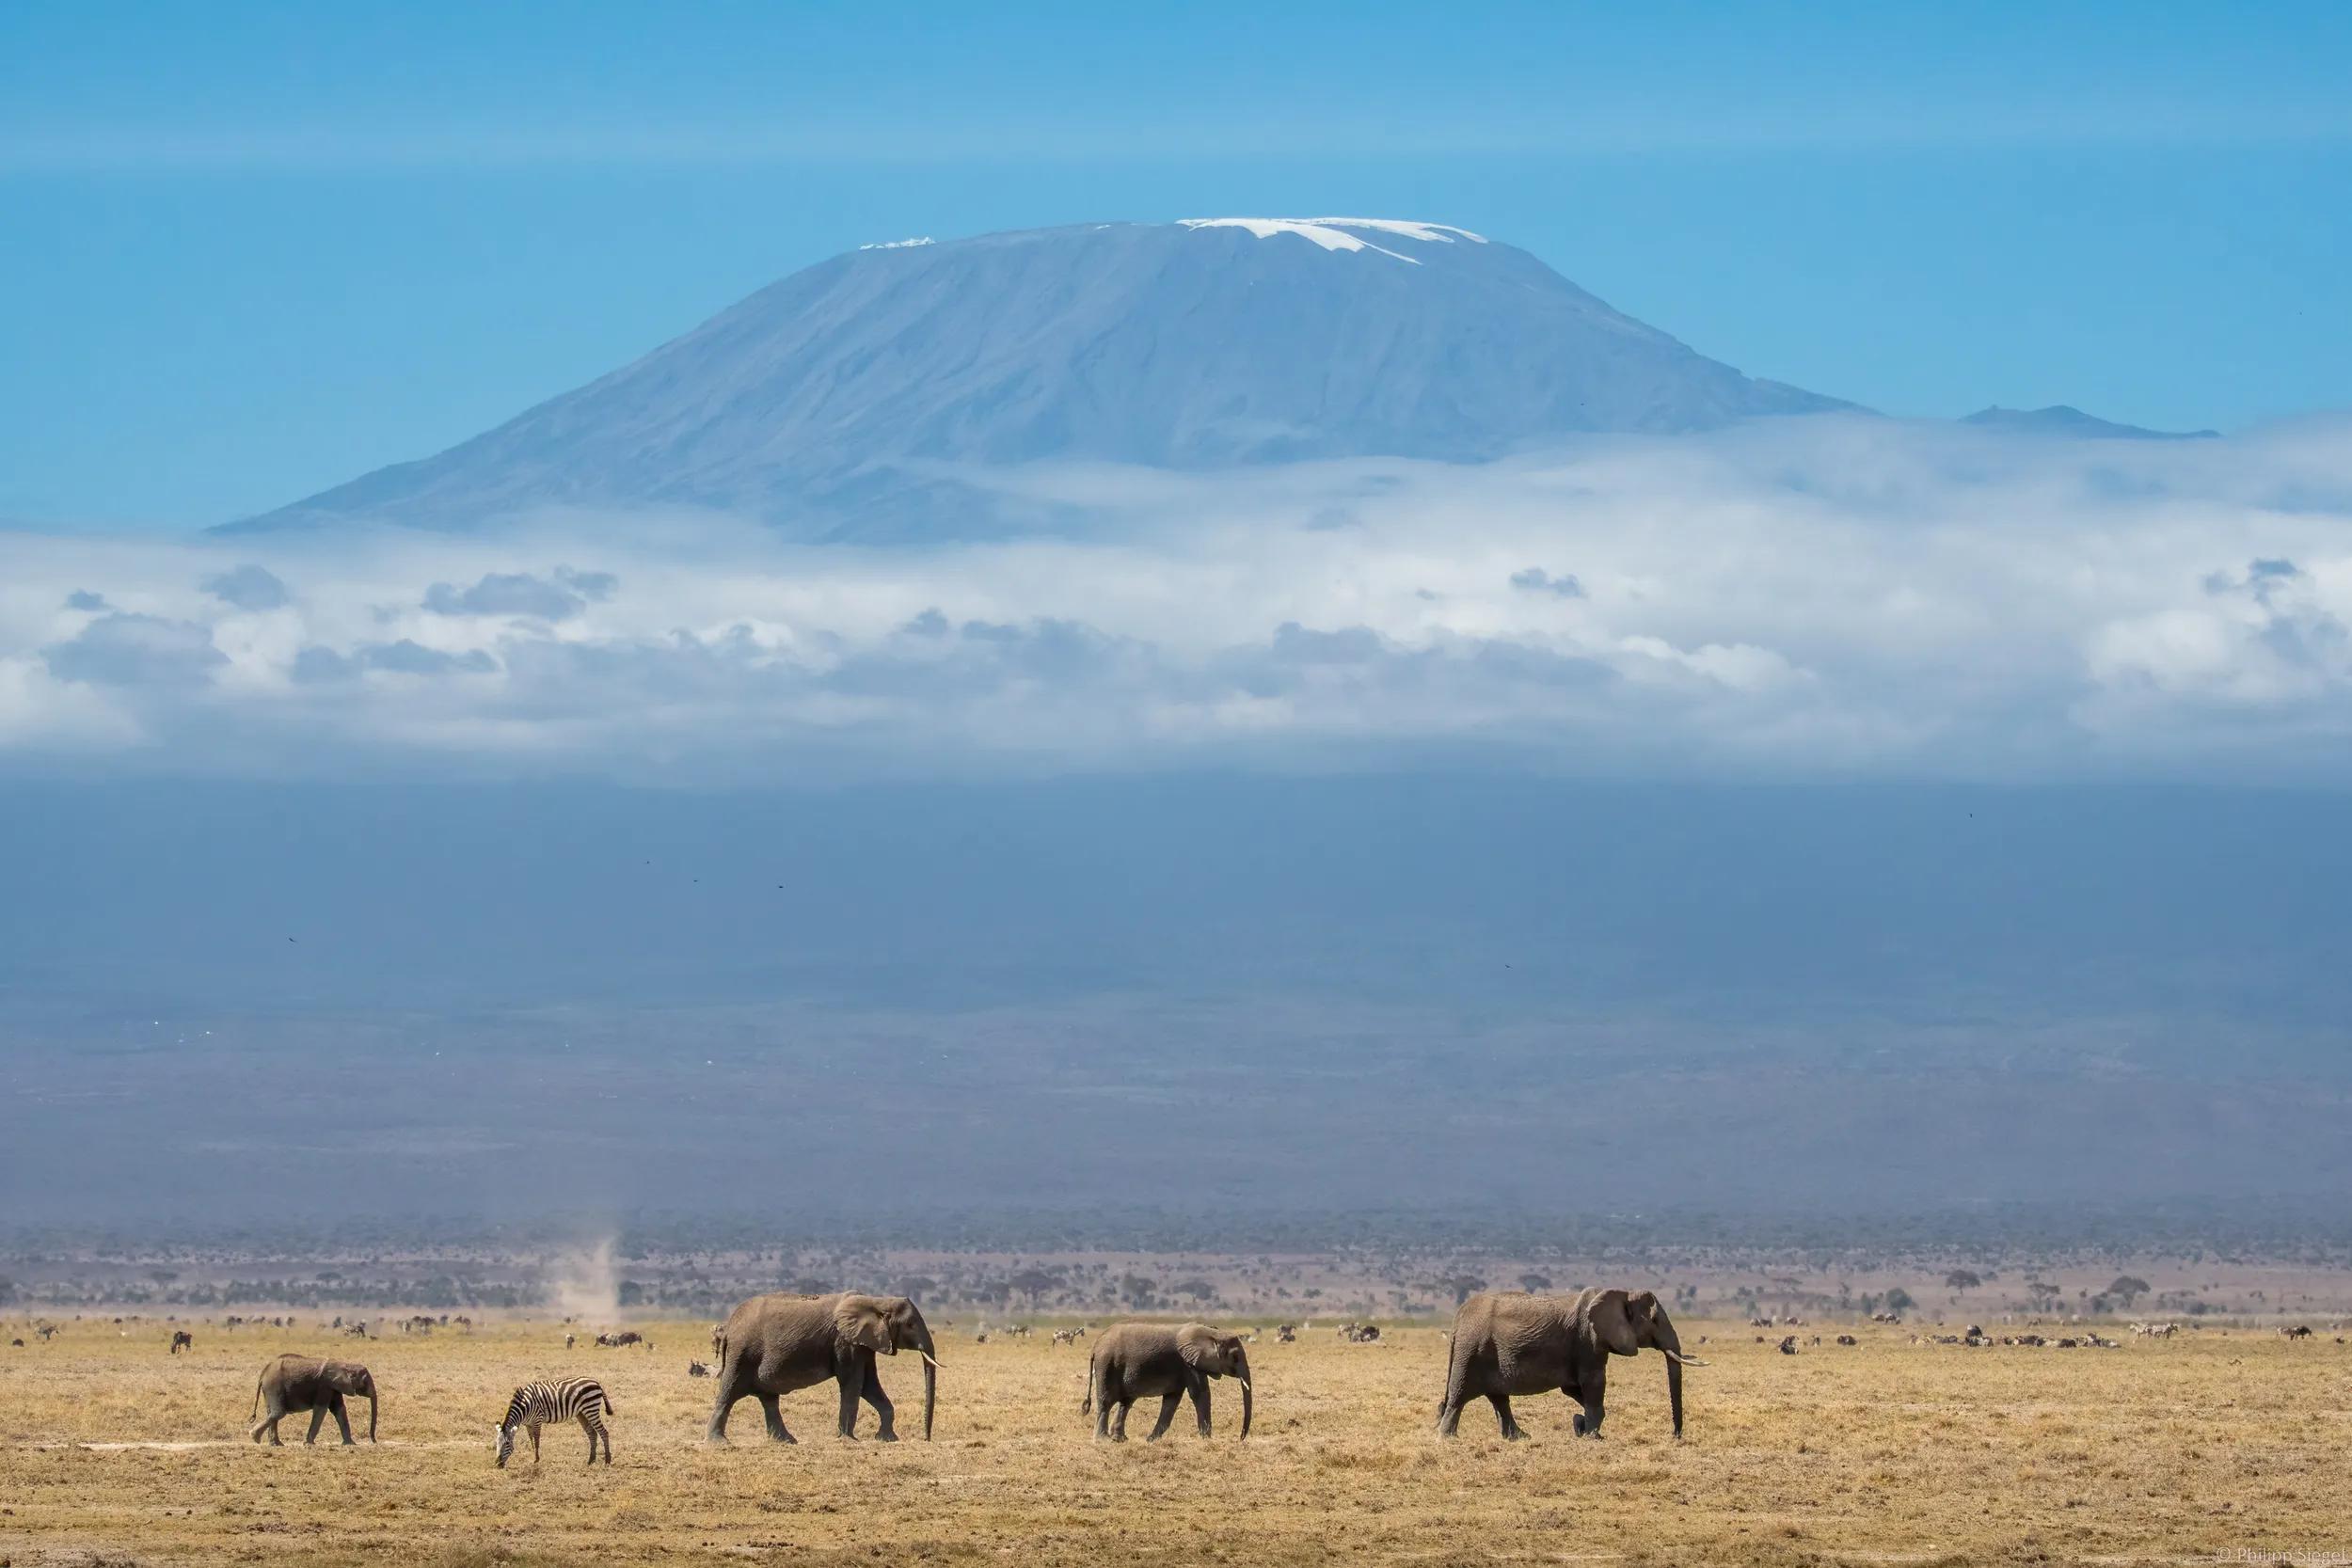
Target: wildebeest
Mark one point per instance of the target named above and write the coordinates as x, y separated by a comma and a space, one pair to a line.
695, 1368
1848, 1339
181, 1340
626, 1337
1789, 1346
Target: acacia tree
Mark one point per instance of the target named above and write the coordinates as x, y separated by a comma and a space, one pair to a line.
1461, 1285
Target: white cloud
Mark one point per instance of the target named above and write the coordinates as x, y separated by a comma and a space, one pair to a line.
1796, 597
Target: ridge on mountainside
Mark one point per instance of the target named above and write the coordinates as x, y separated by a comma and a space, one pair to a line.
2064, 420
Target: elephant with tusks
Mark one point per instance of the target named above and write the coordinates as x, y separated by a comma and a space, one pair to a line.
295, 1383
1133, 1361
779, 1344
1508, 1342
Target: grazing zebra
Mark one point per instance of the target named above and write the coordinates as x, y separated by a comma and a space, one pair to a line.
572, 1398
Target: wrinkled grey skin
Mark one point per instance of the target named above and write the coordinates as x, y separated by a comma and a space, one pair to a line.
301, 1383
1133, 1361
1508, 1342
777, 1344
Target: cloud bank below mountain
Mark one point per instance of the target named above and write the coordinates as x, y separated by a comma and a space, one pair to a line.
1826, 596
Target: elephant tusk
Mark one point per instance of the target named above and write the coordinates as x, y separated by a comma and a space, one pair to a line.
1686, 1360
931, 1359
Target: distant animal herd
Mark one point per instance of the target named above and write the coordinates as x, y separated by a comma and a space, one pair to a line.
1502, 1344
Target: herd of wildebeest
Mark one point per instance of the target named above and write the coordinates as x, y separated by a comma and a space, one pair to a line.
1502, 1344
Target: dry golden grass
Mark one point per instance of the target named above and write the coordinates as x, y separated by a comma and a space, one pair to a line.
2202, 1448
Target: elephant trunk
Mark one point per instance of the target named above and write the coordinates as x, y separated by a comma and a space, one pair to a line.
931, 1384
1668, 1342
1245, 1402
370, 1392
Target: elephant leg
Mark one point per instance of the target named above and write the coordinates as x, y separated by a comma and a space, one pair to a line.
269, 1423
1167, 1413
318, 1420
1502, 1403
1588, 1421
342, 1418
734, 1383
775, 1412
1119, 1422
884, 1412
1200, 1391
851, 1380
1458, 1379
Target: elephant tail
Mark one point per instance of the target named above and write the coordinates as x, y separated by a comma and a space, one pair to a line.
1086, 1406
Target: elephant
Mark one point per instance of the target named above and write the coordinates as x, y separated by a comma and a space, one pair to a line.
301, 1383
777, 1344
1132, 1361
1508, 1342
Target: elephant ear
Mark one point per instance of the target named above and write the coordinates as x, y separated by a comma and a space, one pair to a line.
1199, 1347
1609, 1319
860, 1320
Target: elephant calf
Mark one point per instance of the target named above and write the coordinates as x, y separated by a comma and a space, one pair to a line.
300, 1382
1134, 1360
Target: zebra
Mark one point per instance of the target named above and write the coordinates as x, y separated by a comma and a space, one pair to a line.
572, 1398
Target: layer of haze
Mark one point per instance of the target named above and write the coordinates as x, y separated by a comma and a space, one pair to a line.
1826, 815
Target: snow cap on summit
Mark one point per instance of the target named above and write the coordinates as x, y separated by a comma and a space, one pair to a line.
1332, 233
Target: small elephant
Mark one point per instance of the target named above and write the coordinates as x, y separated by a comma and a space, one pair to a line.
301, 1383
1134, 1360
1508, 1342
778, 1344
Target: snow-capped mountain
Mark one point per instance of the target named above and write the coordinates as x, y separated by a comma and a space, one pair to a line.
842, 401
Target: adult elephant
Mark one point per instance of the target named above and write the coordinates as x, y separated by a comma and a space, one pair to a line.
1508, 1342
1132, 1361
303, 1383
778, 1344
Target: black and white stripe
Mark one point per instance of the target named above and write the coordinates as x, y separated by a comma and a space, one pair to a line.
571, 1399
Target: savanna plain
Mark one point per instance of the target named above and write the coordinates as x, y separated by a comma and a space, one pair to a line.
2218, 1445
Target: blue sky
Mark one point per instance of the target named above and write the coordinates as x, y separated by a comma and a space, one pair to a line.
250, 251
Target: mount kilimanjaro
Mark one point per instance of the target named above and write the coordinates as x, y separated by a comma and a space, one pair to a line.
852, 400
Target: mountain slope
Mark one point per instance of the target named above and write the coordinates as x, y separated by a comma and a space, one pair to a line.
2062, 420
838, 402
